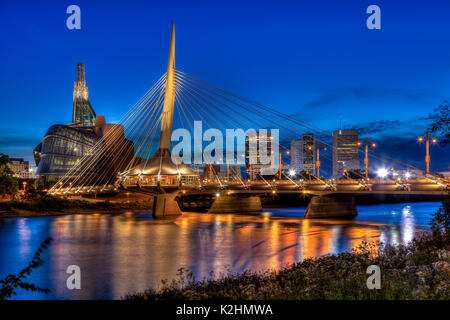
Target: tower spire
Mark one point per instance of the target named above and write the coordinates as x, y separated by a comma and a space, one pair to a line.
83, 113
80, 73
169, 98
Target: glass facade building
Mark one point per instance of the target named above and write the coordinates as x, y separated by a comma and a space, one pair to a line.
61, 148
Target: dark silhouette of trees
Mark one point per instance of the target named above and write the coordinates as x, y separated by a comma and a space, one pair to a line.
440, 124
8, 184
10, 283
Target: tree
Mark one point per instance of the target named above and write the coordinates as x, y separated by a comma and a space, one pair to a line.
10, 283
441, 219
8, 184
440, 123
2, 190
31, 192
5, 169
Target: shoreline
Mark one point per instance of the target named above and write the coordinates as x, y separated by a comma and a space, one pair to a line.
23, 213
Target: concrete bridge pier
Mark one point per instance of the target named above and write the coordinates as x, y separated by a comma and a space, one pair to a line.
331, 206
165, 206
236, 204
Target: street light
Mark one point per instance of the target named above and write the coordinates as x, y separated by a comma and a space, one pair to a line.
318, 158
292, 173
382, 173
366, 158
427, 156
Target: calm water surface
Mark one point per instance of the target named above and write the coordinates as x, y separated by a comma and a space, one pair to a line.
119, 254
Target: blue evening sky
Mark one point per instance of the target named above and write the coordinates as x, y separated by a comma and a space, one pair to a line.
315, 60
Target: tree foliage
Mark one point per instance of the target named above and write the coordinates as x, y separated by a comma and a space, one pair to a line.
440, 123
8, 184
440, 224
5, 161
11, 282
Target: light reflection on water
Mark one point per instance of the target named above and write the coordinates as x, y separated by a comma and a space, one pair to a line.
124, 253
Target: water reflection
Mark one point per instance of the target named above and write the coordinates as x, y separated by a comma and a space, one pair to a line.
118, 254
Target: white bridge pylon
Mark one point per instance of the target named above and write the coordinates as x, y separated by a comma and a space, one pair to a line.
160, 168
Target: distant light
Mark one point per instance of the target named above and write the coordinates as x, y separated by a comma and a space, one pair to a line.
217, 195
382, 173
266, 214
407, 175
292, 173
420, 139
374, 145
434, 140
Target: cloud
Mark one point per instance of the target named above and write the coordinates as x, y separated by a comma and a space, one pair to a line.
11, 141
331, 96
18, 144
381, 126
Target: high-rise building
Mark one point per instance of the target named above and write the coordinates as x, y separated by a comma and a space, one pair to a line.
345, 152
259, 168
303, 153
83, 113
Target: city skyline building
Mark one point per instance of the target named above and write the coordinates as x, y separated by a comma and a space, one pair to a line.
345, 152
303, 153
255, 169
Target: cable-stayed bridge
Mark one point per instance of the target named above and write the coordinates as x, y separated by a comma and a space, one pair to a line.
176, 101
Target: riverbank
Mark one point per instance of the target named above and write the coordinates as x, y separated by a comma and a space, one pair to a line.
53, 206
419, 270
16, 213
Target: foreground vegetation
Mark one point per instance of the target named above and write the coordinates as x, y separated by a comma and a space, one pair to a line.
419, 270
11, 282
